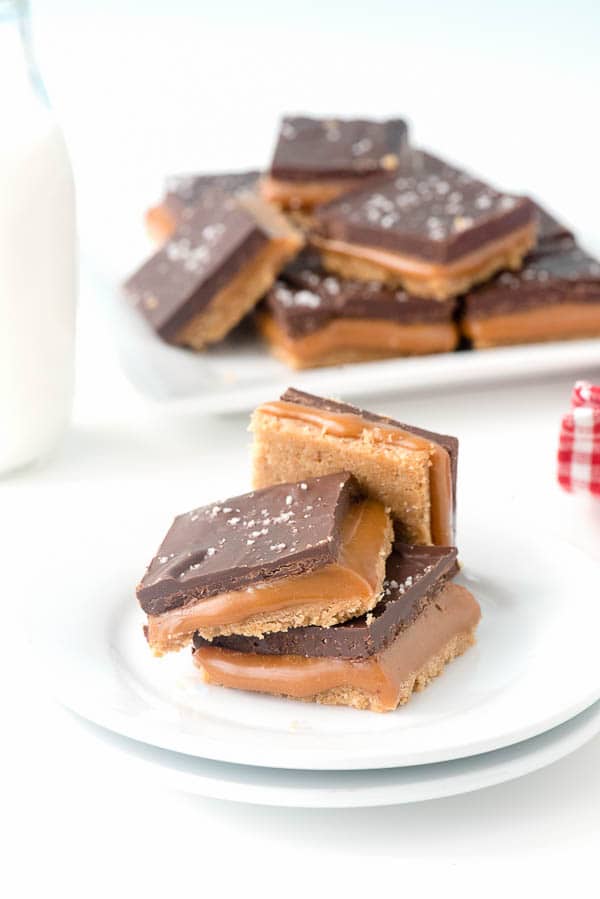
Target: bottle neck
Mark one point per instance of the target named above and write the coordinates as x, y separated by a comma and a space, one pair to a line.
17, 62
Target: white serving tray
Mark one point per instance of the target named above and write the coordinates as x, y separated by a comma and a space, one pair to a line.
239, 373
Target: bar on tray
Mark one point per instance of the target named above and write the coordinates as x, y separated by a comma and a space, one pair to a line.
312, 318
213, 270
555, 296
316, 160
428, 227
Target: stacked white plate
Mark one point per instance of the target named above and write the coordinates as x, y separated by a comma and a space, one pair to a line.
526, 695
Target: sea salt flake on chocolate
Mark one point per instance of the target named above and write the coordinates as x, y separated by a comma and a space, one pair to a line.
388, 220
213, 232
331, 285
362, 146
483, 201
308, 299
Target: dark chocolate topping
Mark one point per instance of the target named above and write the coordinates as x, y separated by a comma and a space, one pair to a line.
183, 191
450, 444
280, 531
414, 575
205, 252
550, 230
559, 272
306, 298
311, 149
427, 209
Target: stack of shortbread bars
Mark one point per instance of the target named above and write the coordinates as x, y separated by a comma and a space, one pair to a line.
333, 580
356, 246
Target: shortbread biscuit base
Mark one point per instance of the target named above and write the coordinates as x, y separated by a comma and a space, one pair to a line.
419, 278
559, 321
287, 450
356, 340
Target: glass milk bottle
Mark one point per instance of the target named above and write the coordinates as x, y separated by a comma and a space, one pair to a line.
37, 256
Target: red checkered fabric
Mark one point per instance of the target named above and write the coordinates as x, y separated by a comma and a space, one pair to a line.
579, 445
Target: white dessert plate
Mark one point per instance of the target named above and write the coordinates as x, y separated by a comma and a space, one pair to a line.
535, 664
240, 373
352, 789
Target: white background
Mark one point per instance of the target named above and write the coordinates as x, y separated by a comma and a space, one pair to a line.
144, 89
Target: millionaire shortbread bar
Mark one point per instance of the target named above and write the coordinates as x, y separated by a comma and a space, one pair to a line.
555, 296
316, 160
213, 270
411, 471
312, 318
311, 552
429, 228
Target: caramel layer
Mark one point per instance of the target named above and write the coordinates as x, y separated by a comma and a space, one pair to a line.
358, 339
305, 194
426, 279
355, 578
557, 322
350, 426
385, 677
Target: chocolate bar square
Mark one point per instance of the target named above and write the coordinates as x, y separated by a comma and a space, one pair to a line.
312, 318
316, 160
312, 551
409, 470
555, 296
429, 228
213, 270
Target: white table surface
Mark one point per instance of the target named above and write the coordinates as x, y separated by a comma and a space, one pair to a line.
78, 817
